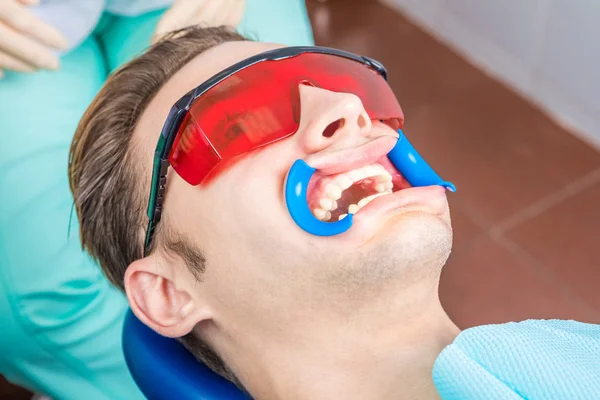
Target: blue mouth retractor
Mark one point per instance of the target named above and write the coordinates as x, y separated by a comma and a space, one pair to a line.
404, 157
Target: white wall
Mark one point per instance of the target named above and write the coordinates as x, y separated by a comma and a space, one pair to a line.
548, 50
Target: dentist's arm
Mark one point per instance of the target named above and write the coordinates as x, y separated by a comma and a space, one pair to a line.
204, 12
26, 43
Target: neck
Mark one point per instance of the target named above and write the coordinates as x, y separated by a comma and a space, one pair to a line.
384, 349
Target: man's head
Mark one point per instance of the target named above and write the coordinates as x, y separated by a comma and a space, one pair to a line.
229, 267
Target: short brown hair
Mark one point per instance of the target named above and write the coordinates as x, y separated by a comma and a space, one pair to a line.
109, 189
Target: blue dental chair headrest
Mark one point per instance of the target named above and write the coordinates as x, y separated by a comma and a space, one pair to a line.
164, 370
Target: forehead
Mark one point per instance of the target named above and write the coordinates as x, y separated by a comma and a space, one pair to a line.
198, 70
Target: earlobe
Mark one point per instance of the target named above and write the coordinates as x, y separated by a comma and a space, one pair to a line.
157, 301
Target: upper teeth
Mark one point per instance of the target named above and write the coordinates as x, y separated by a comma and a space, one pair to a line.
328, 204
333, 189
344, 181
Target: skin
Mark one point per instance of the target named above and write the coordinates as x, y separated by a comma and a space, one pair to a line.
296, 316
26, 42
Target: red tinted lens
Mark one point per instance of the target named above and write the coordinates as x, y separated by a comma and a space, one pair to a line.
260, 105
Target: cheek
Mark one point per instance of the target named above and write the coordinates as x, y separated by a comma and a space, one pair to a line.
248, 205
226, 165
260, 202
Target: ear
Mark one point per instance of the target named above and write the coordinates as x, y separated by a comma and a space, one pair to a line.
157, 301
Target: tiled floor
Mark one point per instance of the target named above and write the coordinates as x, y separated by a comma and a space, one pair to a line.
527, 228
10, 392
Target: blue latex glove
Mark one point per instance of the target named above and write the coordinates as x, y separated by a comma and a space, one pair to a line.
534, 359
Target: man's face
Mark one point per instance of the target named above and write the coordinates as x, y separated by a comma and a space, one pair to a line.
264, 273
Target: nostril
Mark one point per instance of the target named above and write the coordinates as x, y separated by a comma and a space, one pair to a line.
362, 121
333, 127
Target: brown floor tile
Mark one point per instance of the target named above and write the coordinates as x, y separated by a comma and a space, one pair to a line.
420, 68
11, 392
567, 239
464, 227
486, 284
502, 153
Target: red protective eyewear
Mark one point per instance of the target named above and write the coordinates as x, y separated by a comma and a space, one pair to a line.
254, 103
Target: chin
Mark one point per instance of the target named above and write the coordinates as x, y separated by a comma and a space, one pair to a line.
424, 238
413, 241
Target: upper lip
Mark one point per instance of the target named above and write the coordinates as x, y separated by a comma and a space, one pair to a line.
335, 162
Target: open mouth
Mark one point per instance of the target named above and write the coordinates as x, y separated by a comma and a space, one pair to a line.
332, 197
324, 191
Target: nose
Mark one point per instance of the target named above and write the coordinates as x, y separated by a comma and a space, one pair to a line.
328, 117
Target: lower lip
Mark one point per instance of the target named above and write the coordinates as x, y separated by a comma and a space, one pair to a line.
429, 199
